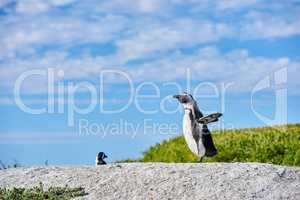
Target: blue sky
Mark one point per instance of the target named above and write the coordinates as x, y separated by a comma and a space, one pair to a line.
140, 53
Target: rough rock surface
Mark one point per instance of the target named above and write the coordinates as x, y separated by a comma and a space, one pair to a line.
166, 181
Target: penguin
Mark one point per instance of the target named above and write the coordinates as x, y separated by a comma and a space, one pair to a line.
100, 158
195, 130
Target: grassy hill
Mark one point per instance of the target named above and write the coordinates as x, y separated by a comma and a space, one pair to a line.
277, 145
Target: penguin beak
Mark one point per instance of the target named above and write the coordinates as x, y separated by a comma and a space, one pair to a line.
181, 98
176, 96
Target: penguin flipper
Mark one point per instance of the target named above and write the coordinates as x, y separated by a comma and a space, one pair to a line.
209, 118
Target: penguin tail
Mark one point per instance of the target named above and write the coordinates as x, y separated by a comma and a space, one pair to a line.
210, 149
211, 153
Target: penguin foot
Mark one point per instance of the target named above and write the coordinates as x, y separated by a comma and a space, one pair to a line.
200, 160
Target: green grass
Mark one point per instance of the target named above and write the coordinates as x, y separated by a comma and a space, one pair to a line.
38, 193
277, 145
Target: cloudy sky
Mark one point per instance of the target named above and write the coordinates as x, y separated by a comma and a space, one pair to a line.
242, 44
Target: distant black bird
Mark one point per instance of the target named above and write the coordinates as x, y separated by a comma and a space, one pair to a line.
100, 158
195, 130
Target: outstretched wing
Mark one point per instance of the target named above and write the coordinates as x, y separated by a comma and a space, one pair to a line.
209, 118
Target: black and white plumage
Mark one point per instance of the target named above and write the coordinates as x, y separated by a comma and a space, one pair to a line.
100, 158
214, 117
195, 130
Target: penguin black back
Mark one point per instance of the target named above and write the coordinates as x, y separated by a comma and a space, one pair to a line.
100, 158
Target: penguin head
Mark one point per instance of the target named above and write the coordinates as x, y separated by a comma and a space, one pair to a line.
101, 156
189, 103
185, 98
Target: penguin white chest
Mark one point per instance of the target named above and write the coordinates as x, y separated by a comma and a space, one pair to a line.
188, 133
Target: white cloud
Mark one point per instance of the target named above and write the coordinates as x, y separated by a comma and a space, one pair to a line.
265, 25
34, 36
137, 33
234, 4
133, 6
61, 2
21, 37
32, 7
163, 37
206, 64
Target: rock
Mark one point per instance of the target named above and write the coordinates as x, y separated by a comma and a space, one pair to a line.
165, 181
281, 172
